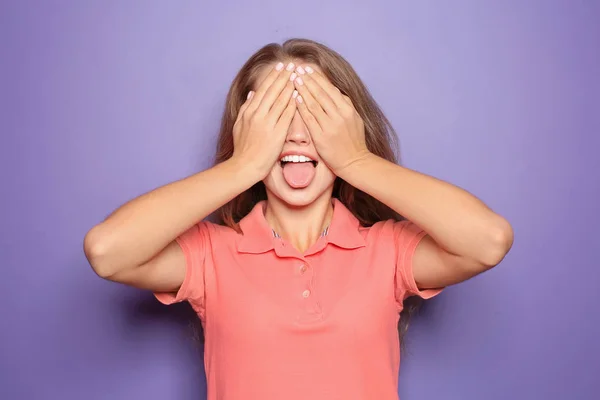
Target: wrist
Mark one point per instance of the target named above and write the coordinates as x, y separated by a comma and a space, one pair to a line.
357, 162
247, 169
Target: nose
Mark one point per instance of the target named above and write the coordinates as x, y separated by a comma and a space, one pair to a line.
298, 131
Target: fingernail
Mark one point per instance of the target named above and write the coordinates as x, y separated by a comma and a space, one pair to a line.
309, 70
279, 66
295, 94
299, 99
299, 81
250, 93
290, 66
293, 76
300, 70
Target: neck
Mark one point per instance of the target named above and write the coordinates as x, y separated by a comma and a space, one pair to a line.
300, 226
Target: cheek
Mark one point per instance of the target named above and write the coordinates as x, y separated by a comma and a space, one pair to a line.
327, 176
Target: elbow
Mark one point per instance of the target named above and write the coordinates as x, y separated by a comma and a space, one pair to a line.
95, 248
500, 240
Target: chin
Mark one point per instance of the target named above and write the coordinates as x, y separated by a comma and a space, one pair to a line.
321, 185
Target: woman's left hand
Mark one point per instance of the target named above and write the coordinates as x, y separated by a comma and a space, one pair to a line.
334, 124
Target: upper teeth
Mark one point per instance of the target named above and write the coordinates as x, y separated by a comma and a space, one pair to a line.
295, 159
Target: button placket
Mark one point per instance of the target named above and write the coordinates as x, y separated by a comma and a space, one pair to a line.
310, 310
306, 279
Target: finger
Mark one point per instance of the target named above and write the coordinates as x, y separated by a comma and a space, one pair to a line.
265, 85
312, 106
288, 113
333, 92
317, 92
273, 92
282, 101
244, 106
309, 119
349, 109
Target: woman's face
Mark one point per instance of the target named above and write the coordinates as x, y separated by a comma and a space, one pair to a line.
300, 177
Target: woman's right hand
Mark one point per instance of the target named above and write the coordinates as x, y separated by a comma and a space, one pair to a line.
263, 121
136, 244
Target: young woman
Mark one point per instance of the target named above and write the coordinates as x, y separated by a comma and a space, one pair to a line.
300, 282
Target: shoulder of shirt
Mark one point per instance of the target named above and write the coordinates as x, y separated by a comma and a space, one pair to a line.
218, 229
378, 228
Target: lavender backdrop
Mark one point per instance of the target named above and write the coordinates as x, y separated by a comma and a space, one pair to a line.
103, 100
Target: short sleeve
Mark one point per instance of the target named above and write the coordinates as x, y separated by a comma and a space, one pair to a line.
407, 237
194, 243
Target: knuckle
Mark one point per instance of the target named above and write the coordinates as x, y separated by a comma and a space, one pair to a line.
291, 108
312, 106
347, 112
284, 77
248, 119
276, 108
260, 112
272, 77
310, 118
281, 107
280, 102
253, 109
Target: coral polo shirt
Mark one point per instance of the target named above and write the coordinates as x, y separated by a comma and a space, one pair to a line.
279, 324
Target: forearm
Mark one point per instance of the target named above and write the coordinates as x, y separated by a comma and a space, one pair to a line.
458, 221
141, 228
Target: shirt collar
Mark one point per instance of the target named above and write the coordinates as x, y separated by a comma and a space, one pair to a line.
258, 236
277, 235
344, 228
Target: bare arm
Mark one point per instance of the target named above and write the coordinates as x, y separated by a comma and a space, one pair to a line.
136, 244
136, 233
465, 236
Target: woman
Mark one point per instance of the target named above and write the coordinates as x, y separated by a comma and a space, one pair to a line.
300, 283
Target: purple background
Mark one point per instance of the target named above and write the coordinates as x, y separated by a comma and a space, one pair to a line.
104, 100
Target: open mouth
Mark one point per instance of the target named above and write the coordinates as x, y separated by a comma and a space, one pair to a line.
298, 170
296, 159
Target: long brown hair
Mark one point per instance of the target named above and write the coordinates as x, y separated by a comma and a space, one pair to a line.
380, 136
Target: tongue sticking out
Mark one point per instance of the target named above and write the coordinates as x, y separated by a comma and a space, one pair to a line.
298, 175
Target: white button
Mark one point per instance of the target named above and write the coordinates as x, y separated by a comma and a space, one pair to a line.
306, 293
303, 268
